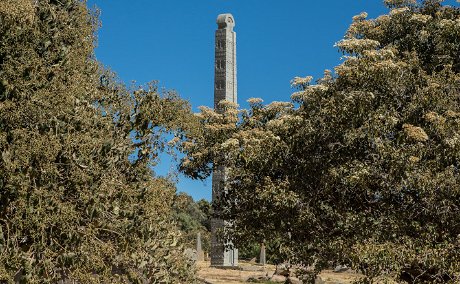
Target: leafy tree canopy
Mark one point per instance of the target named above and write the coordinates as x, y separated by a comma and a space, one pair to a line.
361, 168
77, 197
193, 218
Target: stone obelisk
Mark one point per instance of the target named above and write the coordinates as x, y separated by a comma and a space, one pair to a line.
262, 257
225, 88
199, 250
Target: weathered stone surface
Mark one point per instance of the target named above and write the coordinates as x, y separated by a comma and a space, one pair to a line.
341, 268
190, 254
319, 280
225, 88
262, 258
278, 278
283, 269
225, 80
199, 250
257, 279
294, 280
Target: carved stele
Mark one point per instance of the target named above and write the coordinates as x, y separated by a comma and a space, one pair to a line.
225, 88
199, 250
262, 257
225, 83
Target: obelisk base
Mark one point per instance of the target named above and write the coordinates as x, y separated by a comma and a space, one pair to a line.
221, 256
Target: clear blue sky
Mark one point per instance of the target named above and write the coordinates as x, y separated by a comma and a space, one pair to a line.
173, 41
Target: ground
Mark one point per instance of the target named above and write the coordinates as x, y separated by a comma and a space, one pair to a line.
211, 275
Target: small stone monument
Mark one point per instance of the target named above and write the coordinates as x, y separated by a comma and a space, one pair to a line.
262, 257
199, 250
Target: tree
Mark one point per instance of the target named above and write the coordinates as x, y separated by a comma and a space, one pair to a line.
206, 207
361, 168
192, 218
78, 200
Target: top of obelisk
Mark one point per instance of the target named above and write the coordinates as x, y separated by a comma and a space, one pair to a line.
225, 21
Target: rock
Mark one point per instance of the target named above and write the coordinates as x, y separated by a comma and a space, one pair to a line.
253, 260
319, 280
282, 269
278, 278
200, 279
341, 268
190, 254
257, 279
294, 280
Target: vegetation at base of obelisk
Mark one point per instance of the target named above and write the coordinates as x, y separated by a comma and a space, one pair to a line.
78, 197
361, 168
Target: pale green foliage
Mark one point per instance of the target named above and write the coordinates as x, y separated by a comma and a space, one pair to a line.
73, 206
193, 218
361, 168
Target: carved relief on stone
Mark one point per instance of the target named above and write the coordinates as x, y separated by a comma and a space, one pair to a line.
224, 89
